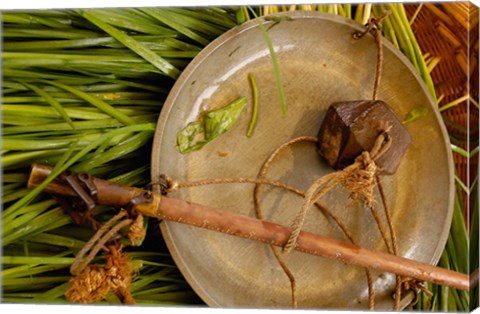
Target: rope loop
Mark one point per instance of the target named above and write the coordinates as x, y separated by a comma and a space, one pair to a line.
358, 179
361, 181
373, 26
166, 184
92, 283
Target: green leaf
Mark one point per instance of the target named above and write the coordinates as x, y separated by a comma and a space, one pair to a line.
415, 114
186, 137
216, 123
221, 120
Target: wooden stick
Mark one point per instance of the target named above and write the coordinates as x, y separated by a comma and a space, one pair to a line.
177, 210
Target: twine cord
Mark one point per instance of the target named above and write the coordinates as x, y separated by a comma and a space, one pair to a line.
262, 173
356, 178
92, 283
373, 26
79, 264
364, 161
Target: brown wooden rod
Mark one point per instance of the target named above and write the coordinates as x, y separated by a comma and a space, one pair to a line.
109, 193
181, 211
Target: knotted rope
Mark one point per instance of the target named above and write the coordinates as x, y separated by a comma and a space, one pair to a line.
261, 174
373, 27
92, 283
358, 179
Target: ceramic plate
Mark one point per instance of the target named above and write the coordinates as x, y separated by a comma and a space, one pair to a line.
320, 63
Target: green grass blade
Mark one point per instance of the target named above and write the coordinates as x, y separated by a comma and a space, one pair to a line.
33, 281
52, 294
132, 19
253, 120
459, 151
117, 151
34, 20
49, 33
47, 114
276, 68
29, 270
35, 260
163, 17
9, 215
79, 125
70, 79
222, 21
163, 289
53, 102
460, 236
49, 220
57, 240
7, 198
193, 22
134, 45
57, 44
462, 185
417, 57
474, 244
16, 159
100, 104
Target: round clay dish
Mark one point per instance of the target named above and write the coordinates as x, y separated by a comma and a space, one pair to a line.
320, 63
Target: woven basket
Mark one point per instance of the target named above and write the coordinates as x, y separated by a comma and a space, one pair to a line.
450, 31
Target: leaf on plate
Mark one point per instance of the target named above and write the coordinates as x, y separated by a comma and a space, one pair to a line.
415, 114
214, 124
186, 137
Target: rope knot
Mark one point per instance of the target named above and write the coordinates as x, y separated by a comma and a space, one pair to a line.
373, 25
89, 286
167, 184
361, 180
93, 283
136, 231
358, 179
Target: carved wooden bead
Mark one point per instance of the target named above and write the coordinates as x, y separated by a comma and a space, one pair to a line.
349, 128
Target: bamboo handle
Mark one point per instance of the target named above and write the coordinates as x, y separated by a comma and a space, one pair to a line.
109, 193
177, 210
